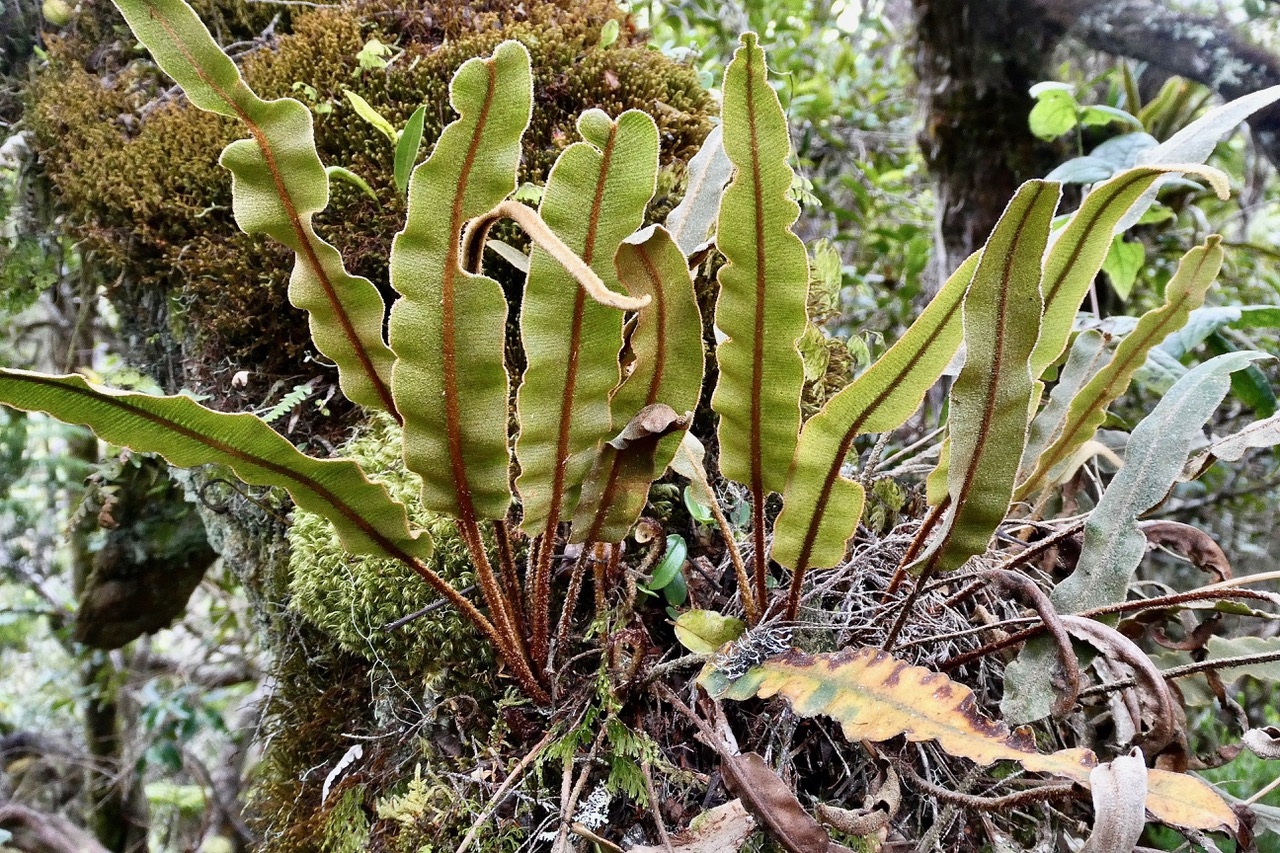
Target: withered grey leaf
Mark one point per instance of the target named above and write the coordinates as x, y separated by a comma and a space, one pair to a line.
1119, 796
1192, 542
1263, 742
719, 830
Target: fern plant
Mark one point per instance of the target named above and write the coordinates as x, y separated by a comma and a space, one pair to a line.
593, 432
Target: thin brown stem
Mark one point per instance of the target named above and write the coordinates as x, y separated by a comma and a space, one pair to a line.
917, 545
510, 577
1036, 597
760, 561
512, 645
1110, 609
541, 594
739, 567
904, 613
973, 801
571, 597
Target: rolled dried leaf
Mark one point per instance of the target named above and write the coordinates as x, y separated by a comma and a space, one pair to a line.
615, 492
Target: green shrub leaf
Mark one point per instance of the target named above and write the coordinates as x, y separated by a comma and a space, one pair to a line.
703, 632
449, 329
763, 287
595, 197
1114, 544
821, 509
187, 434
991, 399
279, 185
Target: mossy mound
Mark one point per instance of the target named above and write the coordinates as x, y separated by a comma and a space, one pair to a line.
136, 167
351, 598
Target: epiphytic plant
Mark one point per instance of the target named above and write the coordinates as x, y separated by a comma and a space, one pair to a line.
595, 428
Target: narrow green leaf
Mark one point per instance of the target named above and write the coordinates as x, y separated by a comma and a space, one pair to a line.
1078, 251
990, 402
187, 434
691, 221
407, 148
617, 487
449, 328
375, 119
344, 174
1088, 355
594, 198
820, 508
1186, 291
279, 185
763, 286
666, 342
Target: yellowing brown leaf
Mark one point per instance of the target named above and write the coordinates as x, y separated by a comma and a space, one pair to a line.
875, 697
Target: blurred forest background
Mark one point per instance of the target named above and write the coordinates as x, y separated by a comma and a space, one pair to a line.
149, 618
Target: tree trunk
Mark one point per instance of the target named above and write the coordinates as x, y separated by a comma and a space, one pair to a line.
975, 61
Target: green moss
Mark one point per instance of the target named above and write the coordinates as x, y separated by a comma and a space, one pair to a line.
167, 229
319, 702
346, 829
352, 598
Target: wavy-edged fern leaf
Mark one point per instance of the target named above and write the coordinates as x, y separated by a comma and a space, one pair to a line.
595, 196
187, 434
991, 399
449, 328
279, 184
761, 307
821, 508
1088, 408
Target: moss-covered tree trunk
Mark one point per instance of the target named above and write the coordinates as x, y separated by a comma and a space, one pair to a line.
201, 304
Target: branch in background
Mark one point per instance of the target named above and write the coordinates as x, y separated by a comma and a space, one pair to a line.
1192, 46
